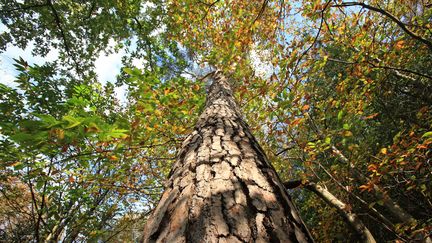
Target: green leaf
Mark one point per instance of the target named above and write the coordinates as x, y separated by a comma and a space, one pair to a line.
49, 120
427, 134
73, 122
115, 133
22, 137
19, 166
39, 184
340, 115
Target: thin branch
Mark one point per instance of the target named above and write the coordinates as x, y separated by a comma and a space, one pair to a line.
314, 41
390, 16
37, 211
264, 5
24, 7
92, 8
396, 69
63, 36
209, 5
284, 150
400, 69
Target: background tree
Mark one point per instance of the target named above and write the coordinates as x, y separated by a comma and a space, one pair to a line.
336, 92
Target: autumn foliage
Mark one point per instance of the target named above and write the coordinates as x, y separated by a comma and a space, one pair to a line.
336, 92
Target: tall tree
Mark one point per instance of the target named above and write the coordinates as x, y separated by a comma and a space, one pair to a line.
222, 186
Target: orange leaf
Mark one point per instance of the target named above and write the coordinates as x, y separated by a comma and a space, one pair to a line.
367, 187
422, 146
372, 167
296, 121
399, 44
371, 116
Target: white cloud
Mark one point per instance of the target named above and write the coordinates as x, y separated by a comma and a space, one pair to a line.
120, 93
7, 78
263, 67
139, 63
108, 66
8, 71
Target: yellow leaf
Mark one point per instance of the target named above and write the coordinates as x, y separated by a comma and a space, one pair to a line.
347, 133
372, 167
60, 133
384, 151
158, 113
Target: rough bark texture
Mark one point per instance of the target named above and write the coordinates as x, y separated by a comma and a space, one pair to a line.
222, 187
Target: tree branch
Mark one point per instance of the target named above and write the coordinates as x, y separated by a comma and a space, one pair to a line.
209, 5
264, 5
390, 16
397, 70
24, 7
63, 36
314, 41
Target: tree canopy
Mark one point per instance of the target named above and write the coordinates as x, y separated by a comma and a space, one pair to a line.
338, 93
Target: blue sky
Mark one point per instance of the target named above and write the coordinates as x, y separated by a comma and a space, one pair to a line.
106, 66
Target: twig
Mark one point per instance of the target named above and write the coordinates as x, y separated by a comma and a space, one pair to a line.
390, 16
264, 5
396, 69
209, 5
63, 35
24, 7
315, 39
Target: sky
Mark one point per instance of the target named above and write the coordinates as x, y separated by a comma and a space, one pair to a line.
107, 67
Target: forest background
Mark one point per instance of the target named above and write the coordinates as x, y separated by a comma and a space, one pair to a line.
97, 96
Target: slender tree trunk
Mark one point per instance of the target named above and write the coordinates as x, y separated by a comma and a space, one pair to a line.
343, 210
391, 205
222, 187
351, 218
397, 211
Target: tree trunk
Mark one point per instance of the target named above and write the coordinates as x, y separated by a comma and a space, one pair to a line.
222, 187
397, 211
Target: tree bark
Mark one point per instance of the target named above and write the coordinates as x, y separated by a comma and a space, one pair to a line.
351, 218
222, 187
